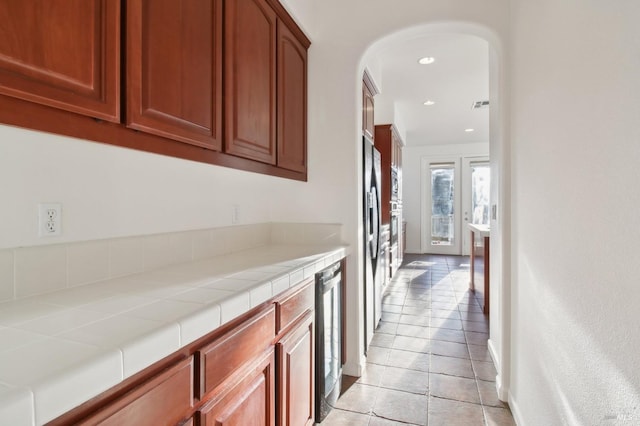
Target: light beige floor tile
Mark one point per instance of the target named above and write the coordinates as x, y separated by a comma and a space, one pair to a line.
345, 418
448, 335
443, 412
372, 374
489, 394
479, 352
451, 366
485, 370
413, 344
358, 398
405, 380
377, 355
457, 350
409, 360
402, 406
413, 331
456, 388
382, 340
498, 417
474, 338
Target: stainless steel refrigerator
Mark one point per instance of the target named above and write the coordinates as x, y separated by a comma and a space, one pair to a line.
371, 213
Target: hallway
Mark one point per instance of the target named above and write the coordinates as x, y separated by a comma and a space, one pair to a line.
428, 363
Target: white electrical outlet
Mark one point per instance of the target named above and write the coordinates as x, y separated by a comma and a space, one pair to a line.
49, 219
235, 214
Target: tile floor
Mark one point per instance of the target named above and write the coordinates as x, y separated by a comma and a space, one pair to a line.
428, 363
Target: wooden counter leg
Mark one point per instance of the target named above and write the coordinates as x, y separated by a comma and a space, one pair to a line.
486, 275
471, 264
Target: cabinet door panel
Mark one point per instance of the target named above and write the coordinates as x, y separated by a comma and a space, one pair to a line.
294, 305
249, 402
174, 78
296, 376
250, 80
62, 53
292, 101
164, 399
367, 112
220, 359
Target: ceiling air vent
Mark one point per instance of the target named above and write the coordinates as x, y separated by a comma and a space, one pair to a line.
480, 104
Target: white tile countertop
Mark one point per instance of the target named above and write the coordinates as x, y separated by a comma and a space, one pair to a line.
60, 349
482, 230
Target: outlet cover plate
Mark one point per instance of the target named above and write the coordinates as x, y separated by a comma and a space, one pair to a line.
49, 219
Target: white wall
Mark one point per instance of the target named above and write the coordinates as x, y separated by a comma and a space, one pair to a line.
576, 228
110, 192
412, 182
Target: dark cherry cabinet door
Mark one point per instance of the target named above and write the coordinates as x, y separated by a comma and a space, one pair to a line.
62, 53
174, 69
296, 376
292, 101
165, 399
250, 401
250, 80
367, 112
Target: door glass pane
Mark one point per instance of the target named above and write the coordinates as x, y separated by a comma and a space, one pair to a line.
480, 190
442, 201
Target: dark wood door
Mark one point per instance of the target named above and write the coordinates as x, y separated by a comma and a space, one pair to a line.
296, 375
292, 101
250, 80
249, 401
174, 69
62, 53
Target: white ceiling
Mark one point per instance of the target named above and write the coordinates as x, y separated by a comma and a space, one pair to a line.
458, 77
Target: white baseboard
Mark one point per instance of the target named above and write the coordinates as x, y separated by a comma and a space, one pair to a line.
503, 391
515, 411
494, 355
355, 369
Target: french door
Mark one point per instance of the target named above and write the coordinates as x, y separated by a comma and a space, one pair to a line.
476, 189
455, 192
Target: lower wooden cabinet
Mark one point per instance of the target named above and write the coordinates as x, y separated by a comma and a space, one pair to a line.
166, 398
248, 401
257, 370
229, 354
295, 358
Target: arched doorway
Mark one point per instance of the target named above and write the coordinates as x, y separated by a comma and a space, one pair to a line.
497, 123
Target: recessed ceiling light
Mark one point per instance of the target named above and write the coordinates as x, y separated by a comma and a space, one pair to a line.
428, 102
469, 130
426, 60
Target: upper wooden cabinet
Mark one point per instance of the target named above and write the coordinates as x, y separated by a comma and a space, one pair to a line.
228, 76
250, 80
368, 92
388, 142
174, 69
62, 53
292, 101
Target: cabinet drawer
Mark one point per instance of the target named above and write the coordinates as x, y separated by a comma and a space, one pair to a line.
249, 400
220, 359
293, 305
165, 399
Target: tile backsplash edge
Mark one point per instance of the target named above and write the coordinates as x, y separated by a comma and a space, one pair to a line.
30, 271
